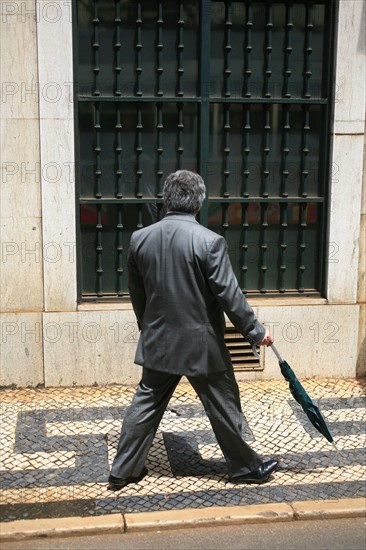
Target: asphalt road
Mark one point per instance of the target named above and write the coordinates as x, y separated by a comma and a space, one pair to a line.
340, 534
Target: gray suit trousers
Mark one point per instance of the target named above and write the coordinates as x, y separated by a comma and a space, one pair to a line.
219, 394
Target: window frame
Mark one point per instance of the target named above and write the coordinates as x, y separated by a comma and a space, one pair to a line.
204, 101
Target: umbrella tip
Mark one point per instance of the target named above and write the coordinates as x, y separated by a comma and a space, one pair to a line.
338, 451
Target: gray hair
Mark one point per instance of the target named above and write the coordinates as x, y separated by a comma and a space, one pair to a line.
184, 191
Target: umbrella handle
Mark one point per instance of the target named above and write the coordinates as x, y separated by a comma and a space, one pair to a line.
277, 353
274, 349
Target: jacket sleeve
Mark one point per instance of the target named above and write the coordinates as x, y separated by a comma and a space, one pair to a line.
225, 287
136, 286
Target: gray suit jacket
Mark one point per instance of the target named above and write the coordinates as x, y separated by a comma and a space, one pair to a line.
181, 281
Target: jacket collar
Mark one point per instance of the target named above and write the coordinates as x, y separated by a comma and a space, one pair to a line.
180, 216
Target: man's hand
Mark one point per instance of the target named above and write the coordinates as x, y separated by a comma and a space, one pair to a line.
267, 340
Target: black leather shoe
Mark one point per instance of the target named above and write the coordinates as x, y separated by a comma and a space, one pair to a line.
259, 474
117, 483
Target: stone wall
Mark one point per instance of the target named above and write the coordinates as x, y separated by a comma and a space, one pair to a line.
46, 337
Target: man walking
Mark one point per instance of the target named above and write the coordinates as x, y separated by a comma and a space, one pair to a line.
181, 282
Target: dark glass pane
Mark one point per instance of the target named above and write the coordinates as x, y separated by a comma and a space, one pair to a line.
311, 251
108, 155
256, 235
110, 33
85, 73
298, 39
169, 35
317, 55
111, 239
170, 138
297, 150
86, 148
296, 58
276, 65
191, 37
102, 57
316, 147
247, 150
238, 42
304, 153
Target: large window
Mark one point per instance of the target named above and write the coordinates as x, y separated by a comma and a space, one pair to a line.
238, 91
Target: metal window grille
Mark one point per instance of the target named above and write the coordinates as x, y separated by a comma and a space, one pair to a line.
238, 91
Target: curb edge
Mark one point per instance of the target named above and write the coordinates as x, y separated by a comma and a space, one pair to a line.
186, 518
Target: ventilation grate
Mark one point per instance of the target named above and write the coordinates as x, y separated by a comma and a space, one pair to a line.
240, 351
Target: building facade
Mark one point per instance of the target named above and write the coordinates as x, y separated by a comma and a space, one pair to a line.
101, 100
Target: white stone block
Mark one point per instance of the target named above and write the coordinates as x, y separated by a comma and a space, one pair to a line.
20, 169
84, 348
54, 35
350, 68
58, 207
361, 357
21, 349
344, 219
317, 341
18, 64
21, 264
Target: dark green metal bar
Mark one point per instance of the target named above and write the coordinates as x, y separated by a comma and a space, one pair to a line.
268, 199
246, 150
159, 49
89, 298
139, 150
97, 151
285, 149
241, 200
244, 246
132, 200
226, 149
290, 293
263, 248
118, 151
288, 50
96, 46
248, 101
204, 114
113, 297
266, 150
248, 48
117, 48
308, 47
330, 49
99, 251
120, 270
283, 247
225, 220
268, 50
180, 131
302, 246
139, 216
180, 49
305, 151
159, 148
227, 48
144, 99
138, 48
79, 248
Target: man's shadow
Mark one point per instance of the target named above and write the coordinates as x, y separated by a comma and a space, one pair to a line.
186, 460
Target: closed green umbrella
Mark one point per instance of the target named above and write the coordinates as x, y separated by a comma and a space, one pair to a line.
311, 410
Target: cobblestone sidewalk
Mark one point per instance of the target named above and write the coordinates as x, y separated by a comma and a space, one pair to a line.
58, 444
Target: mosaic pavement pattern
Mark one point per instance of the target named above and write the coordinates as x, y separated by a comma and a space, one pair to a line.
58, 444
